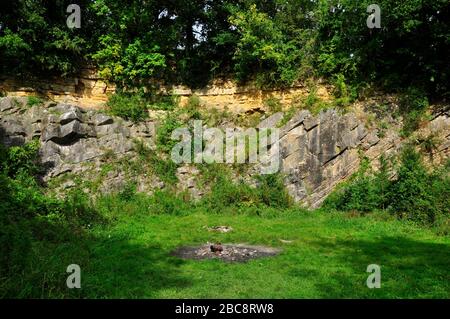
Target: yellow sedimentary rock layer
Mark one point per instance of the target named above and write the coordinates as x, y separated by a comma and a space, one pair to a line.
89, 91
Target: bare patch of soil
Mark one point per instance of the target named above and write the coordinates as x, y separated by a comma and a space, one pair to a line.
229, 253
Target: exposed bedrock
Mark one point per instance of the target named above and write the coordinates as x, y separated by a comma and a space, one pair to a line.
316, 152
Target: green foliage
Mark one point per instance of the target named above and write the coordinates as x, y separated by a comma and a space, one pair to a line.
164, 141
165, 202
19, 159
164, 168
34, 38
214, 117
288, 115
40, 235
128, 191
128, 65
164, 102
344, 93
272, 192
311, 99
365, 191
34, 100
396, 56
128, 106
418, 195
29, 218
273, 105
428, 144
263, 50
227, 194
413, 194
413, 106
192, 108
273, 42
313, 103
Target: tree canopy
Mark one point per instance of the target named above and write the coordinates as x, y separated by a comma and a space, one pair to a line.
271, 42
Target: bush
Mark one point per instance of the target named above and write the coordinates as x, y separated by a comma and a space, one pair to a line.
163, 102
343, 92
34, 100
31, 220
128, 192
226, 193
413, 106
192, 109
18, 159
165, 169
272, 192
164, 141
273, 105
365, 191
165, 202
131, 107
415, 194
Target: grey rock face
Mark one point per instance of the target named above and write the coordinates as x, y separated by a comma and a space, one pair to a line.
315, 152
70, 137
102, 119
271, 121
74, 114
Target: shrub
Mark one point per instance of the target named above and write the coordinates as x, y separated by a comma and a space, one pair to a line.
273, 105
415, 194
163, 102
226, 193
29, 218
413, 106
165, 202
131, 107
365, 191
164, 141
34, 100
165, 169
272, 192
343, 92
20, 158
128, 191
192, 108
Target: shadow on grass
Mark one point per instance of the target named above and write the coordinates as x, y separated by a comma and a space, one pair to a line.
110, 268
409, 268
120, 269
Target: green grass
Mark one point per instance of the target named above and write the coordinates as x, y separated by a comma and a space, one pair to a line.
130, 257
34, 100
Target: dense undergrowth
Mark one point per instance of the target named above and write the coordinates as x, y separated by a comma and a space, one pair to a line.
407, 189
30, 219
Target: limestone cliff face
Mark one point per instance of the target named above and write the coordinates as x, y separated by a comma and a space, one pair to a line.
87, 90
91, 92
73, 140
316, 152
319, 152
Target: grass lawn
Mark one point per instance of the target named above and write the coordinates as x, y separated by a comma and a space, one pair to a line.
327, 258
